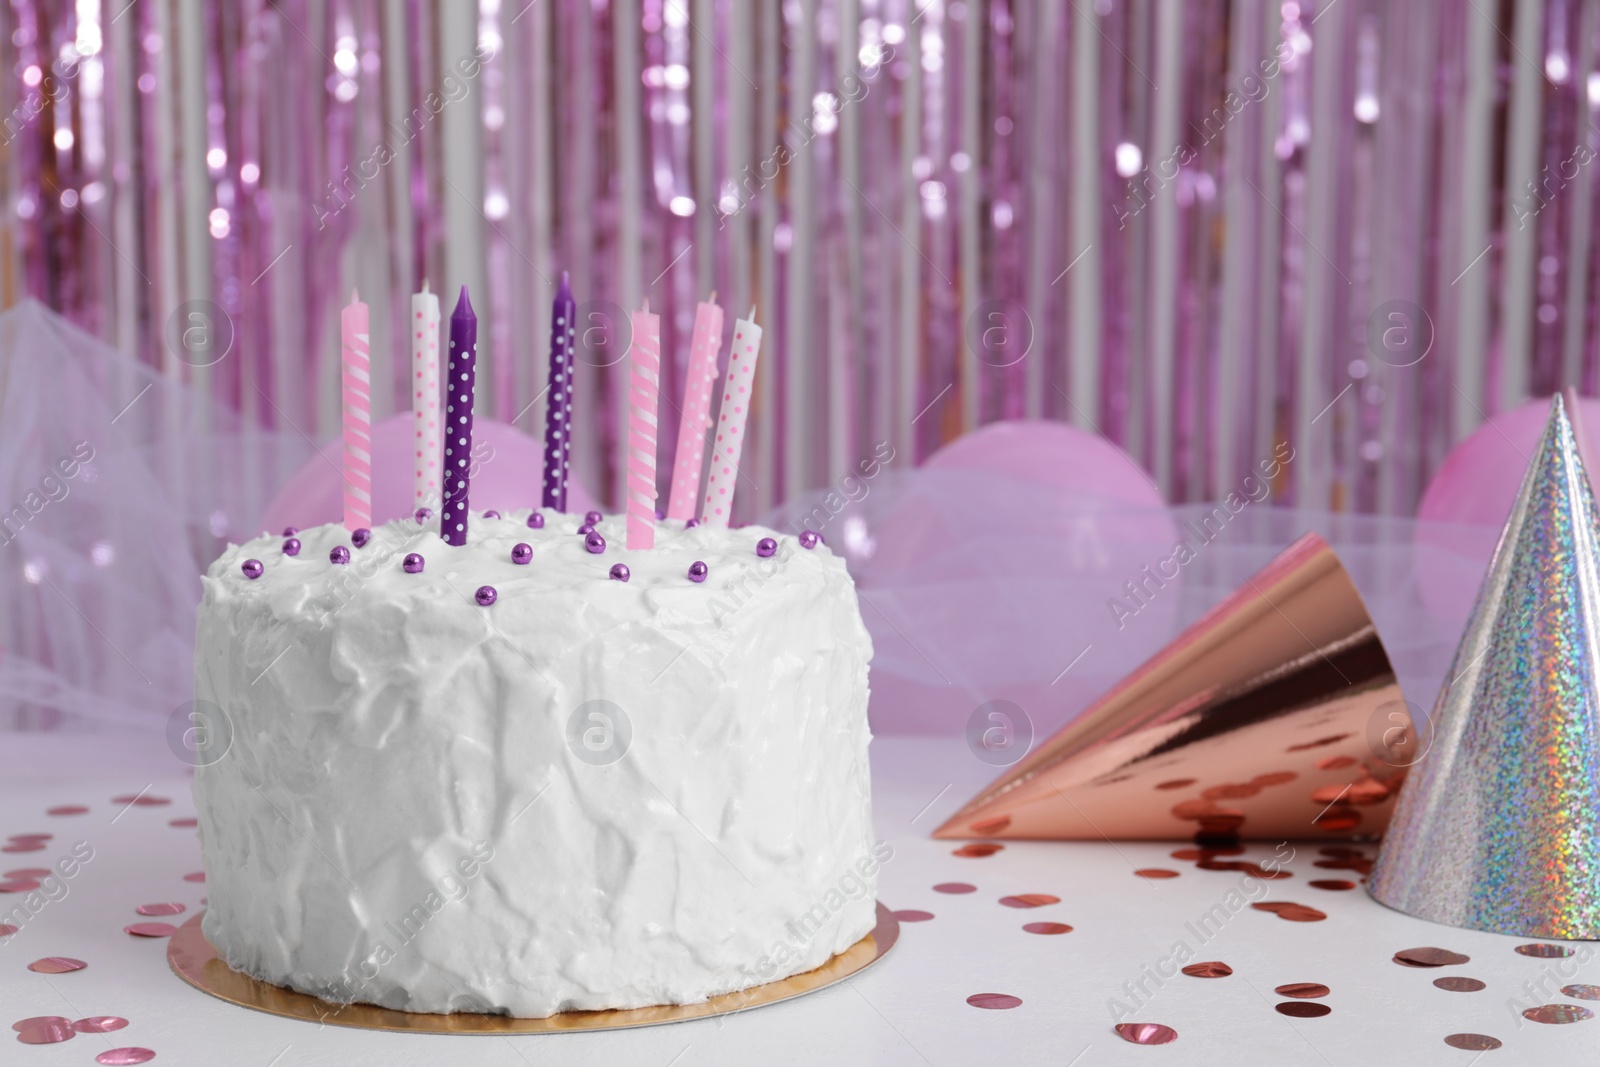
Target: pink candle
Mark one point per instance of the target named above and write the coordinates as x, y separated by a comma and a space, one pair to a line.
696, 414
425, 396
644, 389
356, 378
738, 386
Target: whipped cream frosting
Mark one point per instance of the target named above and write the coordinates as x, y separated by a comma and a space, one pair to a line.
589, 794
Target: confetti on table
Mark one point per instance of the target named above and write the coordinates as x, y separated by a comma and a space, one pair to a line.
56, 965
150, 929
1047, 928
994, 1001
100, 1024
1208, 969
1029, 900
1146, 1033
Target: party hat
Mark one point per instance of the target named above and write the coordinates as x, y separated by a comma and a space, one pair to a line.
1499, 829
1275, 716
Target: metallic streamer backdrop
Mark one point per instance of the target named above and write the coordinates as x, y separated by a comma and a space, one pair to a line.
1198, 228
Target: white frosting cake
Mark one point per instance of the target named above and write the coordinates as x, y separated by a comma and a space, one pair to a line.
591, 793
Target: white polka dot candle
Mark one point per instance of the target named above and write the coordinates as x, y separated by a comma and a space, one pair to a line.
459, 392
695, 415
738, 386
425, 397
558, 405
356, 380
644, 399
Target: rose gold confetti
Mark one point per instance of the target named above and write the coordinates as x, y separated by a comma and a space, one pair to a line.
1331, 884
100, 1024
1029, 900
29, 872
1338, 819
1204, 854
150, 929
1456, 983
1430, 957
195, 876
1303, 990
32, 837
1329, 794
1472, 1042
19, 885
1155, 872
1557, 1013
1245, 866
161, 909
1146, 1033
991, 826
912, 915
1303, 1009
1194, 809
1208, 969
1581, 992
40, 1020
6, 929
141, 800
1231, 791
125, 1057
1545, 951
56, 965
1367, 791
46, 1033
1295, 913
1047, 928
955, 887
1318, 743
1336, 763
978, 849
24, 846
1176, 783
184, 823
1274, 778
994, 1001
67, 809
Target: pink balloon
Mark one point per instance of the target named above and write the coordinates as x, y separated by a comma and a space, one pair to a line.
1473, 491
509, 475
1053, 453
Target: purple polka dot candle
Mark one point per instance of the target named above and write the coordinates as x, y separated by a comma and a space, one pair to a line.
459, 389
558, 412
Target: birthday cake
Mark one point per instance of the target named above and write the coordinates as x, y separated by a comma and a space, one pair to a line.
537, 772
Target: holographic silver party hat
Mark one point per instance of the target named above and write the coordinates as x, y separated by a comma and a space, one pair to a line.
1498, 827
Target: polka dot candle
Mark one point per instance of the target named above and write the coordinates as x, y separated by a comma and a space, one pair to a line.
425, 397
558, 409
460, 388
738, 386
695, 414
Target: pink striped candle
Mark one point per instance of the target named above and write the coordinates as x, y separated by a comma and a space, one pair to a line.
644, 397
425, 398
695, 417
356, 376
738, 386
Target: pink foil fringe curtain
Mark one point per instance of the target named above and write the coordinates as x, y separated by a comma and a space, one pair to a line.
1200, 228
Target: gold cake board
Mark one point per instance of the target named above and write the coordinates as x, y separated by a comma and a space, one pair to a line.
196, 962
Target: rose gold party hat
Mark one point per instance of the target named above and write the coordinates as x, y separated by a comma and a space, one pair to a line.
1500, 828
1277, 715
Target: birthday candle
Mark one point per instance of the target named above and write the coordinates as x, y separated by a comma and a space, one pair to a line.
644, 389
737, 389
425, 398
695, 416
356, 379
558, 408
459, 389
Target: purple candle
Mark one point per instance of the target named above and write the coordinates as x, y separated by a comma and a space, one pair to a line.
458, 420
558, 411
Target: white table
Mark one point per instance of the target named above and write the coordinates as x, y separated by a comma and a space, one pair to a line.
911, 1008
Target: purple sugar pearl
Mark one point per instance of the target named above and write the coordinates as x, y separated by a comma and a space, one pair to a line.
594, 543
491, 514
766, 547
422, 514
698, 571
809, 538
536, 521
592, 517
620, 572
359, 537
486, 595
691, 524
586, 528
252, 568
413, 563
521, 553
291, 547
290, 531
340, 554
